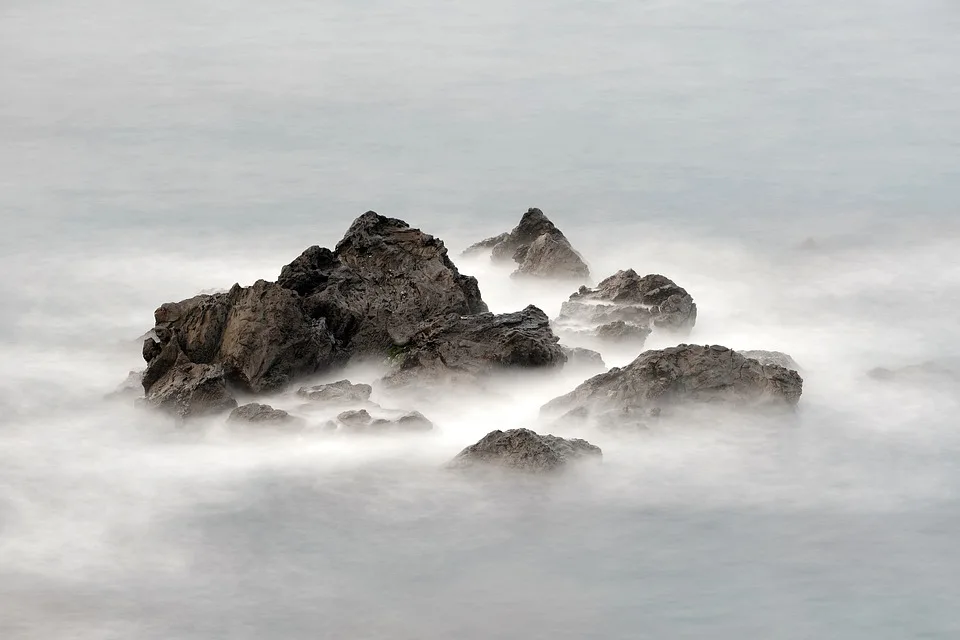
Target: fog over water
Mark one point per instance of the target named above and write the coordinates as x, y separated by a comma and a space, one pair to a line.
155, 150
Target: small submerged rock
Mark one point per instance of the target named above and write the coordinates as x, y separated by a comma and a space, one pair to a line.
255, 413
580, 357
525, 450
538, 247
925, 373
342, 391
360, 421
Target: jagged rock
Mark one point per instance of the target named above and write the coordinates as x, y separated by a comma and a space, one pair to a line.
551, 257
185, 389
464, 348
525, 450
259, 335
538, 246
254, 413
778, 358
375, 289
130, 388
683, 374
486, 245
337, 392
626, 305
580, 357
380, 283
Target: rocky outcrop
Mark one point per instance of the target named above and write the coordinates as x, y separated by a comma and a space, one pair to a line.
626, 306
525, 450
465, 348
379, 284
375, 289
778, 358
686, 374
342, 391
580, 357
539, 247
183, 388
254, 413
360, 421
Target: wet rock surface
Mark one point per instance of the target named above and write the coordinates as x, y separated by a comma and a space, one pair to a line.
525, 450
466, 348
538, 247
342, 391
185, 389
686, 374
255, 413
778, 358
626, 306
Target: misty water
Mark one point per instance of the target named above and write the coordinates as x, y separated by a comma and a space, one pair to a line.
152, 150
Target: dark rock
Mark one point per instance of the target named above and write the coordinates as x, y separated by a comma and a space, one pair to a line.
357, 418
255, 413
626, 305
580, 357
683, 374
771, 357
387, 278
486, 245
465, 348
525, 450
539, 247
337, 392
260, 336
185, 389
551, 257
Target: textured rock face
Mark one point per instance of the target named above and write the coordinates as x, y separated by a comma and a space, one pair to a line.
538, 246
185, 389
525, 450
380, 283
580, 357
679, 375
259, 335
337, 392
772, 357
360, 421
255, 413
373, 291
628, 306
465, 348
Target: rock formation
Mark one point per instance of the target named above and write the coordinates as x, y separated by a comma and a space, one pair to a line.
183, 388
360, 421
465, 348
778, 358
525, 450
626, 306
538, 246
680, 375
342, 391
262, 414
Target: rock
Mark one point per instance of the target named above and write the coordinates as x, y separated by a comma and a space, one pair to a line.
361, 421
525, 450
254, 413
925, 373
684, 374
379, 284
130, 388
771, 357
260, 336
185, 389
486, 245
580, 357
538, 246
465, 348
357, 418
337, 392
551, 257
375, 289
626, 305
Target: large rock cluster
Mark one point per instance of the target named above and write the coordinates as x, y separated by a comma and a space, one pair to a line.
538, 247
626, 306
